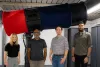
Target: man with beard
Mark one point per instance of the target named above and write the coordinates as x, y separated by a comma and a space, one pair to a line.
81, 49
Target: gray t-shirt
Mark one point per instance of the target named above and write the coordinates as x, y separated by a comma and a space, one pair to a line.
36, 47
59, 45
82, 41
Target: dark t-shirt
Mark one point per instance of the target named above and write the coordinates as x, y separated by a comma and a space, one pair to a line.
12, 50
36, 47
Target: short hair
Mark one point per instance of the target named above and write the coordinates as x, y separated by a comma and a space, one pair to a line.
36, 29
81, 22
60, 27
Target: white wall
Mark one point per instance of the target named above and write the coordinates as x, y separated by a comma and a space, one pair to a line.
0, 44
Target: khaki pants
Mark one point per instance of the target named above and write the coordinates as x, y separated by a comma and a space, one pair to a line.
12, 62
37, 63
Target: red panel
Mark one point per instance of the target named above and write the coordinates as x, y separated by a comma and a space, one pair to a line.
14, 22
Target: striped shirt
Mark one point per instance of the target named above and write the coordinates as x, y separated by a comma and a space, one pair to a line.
82, 41
59, 45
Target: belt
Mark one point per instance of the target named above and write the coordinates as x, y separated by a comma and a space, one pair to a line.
58, 54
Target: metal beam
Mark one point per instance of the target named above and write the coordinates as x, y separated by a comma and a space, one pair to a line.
25, 4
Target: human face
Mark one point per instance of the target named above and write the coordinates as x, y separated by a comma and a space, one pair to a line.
58, 30
36, 33
14, 38
81, 27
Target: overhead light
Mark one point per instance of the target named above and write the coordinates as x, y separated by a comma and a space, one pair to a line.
93, 9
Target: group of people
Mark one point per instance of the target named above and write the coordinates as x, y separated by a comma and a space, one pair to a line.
37, 49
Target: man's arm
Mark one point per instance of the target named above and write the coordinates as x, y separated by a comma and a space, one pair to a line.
45, 53
29, 50
65, 54
73, 47
51, 49
73, 50
66, 48
89, 45
89, 48
89, 51
50, 53
28, 53
45, 49
88, 54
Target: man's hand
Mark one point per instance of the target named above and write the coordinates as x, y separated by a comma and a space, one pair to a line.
50, 58
62, 60
86, 60
73, 59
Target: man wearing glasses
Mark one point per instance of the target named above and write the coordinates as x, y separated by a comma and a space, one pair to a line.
37, 50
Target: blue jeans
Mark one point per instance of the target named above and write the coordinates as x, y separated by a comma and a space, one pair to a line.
56, 61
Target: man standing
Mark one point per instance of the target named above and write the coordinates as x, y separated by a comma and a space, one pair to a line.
37, 50
81, 49
59, 49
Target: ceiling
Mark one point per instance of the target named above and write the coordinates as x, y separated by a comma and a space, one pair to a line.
22, 4
96, 14
91, 3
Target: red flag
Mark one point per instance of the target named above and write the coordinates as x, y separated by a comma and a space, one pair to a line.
14, 22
